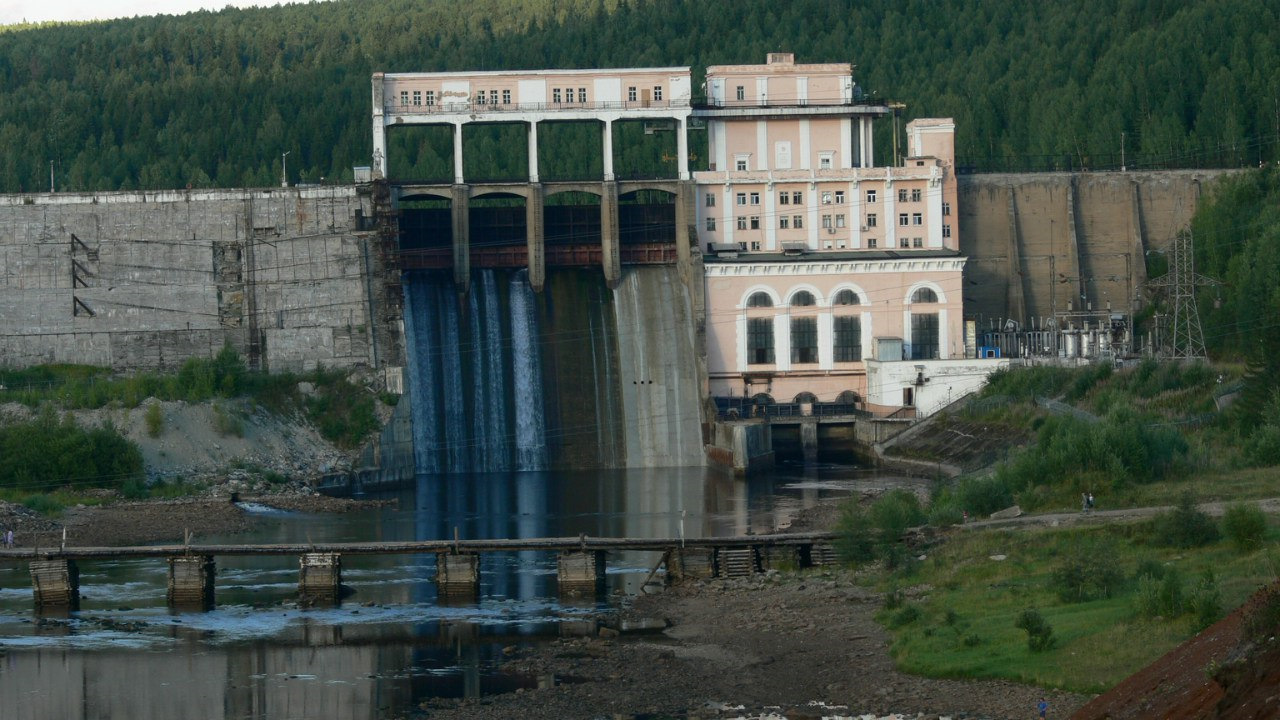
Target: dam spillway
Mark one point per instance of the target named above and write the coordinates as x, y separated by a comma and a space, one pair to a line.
576, 377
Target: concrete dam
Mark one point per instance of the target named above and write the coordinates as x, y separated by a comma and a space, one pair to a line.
500, 377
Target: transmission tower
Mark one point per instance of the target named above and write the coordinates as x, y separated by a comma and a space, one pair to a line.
1185, 339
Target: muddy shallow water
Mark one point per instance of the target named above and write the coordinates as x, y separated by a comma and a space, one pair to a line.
390, 646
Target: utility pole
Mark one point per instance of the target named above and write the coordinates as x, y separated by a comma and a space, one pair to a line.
1186, 337
896, 106
51, 176
1121, 151
284, 173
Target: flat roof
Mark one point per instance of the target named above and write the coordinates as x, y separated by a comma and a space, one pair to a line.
561, 71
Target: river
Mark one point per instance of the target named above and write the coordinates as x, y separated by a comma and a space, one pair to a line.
390, 645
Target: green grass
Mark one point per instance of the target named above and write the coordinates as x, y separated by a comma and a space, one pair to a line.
1098, 643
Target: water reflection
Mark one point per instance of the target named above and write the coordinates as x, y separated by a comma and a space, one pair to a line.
391, 644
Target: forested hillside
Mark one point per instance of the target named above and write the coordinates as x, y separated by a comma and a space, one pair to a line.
213, 99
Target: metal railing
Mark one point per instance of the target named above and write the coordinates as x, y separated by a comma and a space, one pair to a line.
399, 108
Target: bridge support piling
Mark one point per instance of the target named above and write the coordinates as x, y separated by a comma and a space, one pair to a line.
581, 573
693, 563
609, 240
809, 439
684, 192
737, 561
56, 584
191, 581
782, 557
319, 577
535, 234
821, 554
460, 209
457, 575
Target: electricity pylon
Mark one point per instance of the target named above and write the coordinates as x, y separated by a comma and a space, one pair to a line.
1186, 338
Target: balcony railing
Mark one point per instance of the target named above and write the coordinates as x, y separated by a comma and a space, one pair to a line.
479, 107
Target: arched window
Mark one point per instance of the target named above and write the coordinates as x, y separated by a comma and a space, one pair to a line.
760, 341
760, 299
762, 399
846, 297
848, 397
806, 397
804, 298
924, 295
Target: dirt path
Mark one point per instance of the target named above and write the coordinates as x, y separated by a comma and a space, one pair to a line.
1270, 505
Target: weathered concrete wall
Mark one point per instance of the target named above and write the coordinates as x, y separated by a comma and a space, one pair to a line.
1039, 241
142, 280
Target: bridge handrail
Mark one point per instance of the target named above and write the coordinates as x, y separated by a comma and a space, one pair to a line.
415, 546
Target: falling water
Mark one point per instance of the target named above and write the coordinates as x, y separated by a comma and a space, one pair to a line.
531, 431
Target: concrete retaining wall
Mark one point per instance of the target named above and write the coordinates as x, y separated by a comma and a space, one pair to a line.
144, 280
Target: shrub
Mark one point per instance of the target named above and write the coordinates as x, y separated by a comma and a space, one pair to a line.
945, 513
1263, 618
1185, 526
895, 511
227, 422
1147, 596
1205, 601
1088, 573
907, 615
135, 489
155, 420
1244, 525
1148, 566
1039, 632
854, 543
43, 504
984, 495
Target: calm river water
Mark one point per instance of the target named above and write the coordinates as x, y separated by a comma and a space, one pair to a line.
388, 646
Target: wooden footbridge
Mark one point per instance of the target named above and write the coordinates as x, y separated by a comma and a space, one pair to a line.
581, 562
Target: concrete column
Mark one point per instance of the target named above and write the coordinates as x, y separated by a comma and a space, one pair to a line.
581, 573
457, 575
933, 207
685, 194
611, 253
533, 151
607, 151
770, 218
890, 213
457, 154
379, 129
460, 208
682, 147
191, 581
319, 577
56, 584
535, 237
809, 440
1137, 250
826, 339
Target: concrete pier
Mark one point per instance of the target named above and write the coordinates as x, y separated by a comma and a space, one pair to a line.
610, 242
581, 573
319, 577
191, 581
535, 237
56, 584
457, 575
460, 209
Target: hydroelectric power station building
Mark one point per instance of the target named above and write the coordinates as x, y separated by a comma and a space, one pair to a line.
812, 264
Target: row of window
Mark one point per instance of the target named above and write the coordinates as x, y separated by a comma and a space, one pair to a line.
491, 97
846, 339
829, 197
804, 298
829, 222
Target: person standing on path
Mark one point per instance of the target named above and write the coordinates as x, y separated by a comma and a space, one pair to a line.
8, 538
1043, 707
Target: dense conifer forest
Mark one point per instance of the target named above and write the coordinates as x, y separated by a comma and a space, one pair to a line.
214, 98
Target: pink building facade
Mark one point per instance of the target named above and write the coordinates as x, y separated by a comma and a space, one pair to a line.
812, 252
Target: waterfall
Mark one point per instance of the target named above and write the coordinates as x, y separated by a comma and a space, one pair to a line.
421, 326
530, 418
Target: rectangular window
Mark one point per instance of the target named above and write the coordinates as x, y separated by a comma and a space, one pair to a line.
740, 165
755, 245
417, 97
797, 222
742, 198
839, 197
493, 97
904, 242
804, 340
847, 343
480, 98
760, 341
506, 97
742, 223
917, 242
871, 220
582, 95
711, 199
871, 196
742, 92
946, 209
871, 243
755, 222
946, 231
555, 95
924, 336
840, 220
797, 198
915, 195
902, 219
825, 161
784, 222
902, 195
711, 224
404, 97
631, 94
657, 92
431, 97
826, 197
917, 218
755, 198
784, 198
826, 222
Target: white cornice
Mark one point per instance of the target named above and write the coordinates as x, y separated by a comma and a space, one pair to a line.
834, 267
